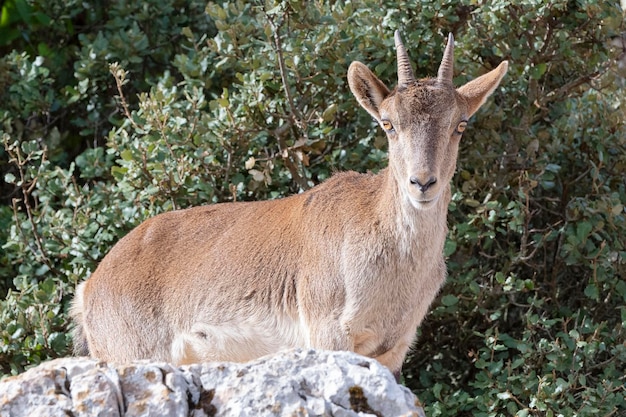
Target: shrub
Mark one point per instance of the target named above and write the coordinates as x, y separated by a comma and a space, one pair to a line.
532, 319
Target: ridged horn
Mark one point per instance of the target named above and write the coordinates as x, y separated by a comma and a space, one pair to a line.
405, 72
446, 69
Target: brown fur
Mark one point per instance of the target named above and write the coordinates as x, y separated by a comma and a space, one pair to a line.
352, 264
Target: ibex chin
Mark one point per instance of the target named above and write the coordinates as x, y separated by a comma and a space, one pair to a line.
352, 264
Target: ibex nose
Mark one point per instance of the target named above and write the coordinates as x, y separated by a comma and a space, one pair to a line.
424, 182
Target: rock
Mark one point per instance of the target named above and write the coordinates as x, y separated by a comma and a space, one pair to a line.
290, 383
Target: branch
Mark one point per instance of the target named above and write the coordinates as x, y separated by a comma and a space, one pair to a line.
295, 117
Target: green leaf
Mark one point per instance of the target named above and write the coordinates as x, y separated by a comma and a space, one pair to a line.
504, 395
449, 247
437, 390
553, 168
126, 155
25, 11
43, 49
42, 18
537, 71
449, 300
592, 292
118, 172
583, 229
42, 270
9, 178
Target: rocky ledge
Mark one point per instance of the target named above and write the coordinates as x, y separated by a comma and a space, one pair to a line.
291, 383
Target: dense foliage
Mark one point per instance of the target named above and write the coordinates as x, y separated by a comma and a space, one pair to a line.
109, 115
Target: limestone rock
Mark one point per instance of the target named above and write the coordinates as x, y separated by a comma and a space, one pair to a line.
291, 383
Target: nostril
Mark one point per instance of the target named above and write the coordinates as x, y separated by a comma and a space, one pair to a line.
423, 185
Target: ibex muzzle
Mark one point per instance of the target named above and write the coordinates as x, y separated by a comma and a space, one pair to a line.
352, 264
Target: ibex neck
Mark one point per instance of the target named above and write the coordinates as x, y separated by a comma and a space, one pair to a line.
408, 221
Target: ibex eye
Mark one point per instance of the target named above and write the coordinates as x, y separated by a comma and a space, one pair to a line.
386, 124
461, 127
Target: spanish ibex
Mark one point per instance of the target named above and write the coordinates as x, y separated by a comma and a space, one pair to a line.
351, 264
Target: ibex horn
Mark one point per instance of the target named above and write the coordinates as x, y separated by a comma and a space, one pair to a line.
405, 73
446, 69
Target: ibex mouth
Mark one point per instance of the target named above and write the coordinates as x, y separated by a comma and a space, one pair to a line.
423, 202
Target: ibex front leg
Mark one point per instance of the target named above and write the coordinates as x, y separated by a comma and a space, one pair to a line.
330, 334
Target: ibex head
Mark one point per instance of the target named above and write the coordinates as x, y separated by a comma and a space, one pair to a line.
423, 119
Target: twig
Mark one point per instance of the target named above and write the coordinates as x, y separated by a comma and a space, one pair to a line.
26, 188
120, 79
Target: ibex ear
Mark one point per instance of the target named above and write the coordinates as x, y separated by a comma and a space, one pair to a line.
367, 88
477, 91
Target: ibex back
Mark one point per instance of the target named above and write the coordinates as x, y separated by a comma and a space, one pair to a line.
352, 264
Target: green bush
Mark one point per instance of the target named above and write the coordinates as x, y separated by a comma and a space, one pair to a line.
140, 109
